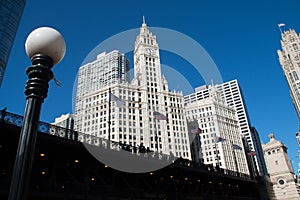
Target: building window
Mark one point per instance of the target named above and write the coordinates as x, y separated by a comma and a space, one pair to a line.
281, 181
295, 76
278, 150
295, 47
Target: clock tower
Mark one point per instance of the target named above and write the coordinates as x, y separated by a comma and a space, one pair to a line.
146, 59
152, 115
170, 133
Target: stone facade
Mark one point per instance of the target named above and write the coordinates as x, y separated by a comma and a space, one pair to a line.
280, 170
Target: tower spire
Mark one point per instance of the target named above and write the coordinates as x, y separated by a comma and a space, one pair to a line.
144, 21
212, 82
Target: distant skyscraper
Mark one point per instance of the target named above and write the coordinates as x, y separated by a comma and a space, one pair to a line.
221, 141
289, 58
232, 94
65, 121
259, 154
280, 169
151, 115
10, 16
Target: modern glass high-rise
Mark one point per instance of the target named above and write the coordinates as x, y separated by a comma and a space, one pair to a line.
289, 58
10, 15
108, 69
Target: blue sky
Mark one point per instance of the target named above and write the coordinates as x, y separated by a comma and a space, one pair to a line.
242, 38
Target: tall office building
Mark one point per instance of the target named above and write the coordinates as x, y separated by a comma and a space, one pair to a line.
151, 115
107, 69
10, 15
221, 141
289, 58
232, 94
260, 167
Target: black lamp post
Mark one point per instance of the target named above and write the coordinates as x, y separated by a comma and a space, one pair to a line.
45, 47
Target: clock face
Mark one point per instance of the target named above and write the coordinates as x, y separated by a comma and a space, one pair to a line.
149, 51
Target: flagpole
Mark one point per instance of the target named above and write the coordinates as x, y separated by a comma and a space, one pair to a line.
156, 137
109, 112
280, 29
217, 155
255, 173
234, 157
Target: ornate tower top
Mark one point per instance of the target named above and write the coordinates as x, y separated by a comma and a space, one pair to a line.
271, 136
147, 67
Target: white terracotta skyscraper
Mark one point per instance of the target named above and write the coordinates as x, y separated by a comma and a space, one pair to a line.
221, 139
151, 114
232, 95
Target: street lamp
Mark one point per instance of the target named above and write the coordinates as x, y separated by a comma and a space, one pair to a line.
45, 47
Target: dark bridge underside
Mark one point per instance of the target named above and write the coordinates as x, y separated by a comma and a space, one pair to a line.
58, 175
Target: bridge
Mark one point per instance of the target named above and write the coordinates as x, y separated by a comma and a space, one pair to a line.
63, 168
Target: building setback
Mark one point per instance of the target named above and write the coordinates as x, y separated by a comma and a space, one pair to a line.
151, 115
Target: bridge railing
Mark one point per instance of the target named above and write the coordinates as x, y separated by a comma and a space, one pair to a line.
11, 118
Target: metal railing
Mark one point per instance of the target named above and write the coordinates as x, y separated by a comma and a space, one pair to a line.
47, 128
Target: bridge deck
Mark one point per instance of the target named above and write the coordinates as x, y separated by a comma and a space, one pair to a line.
58, 175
